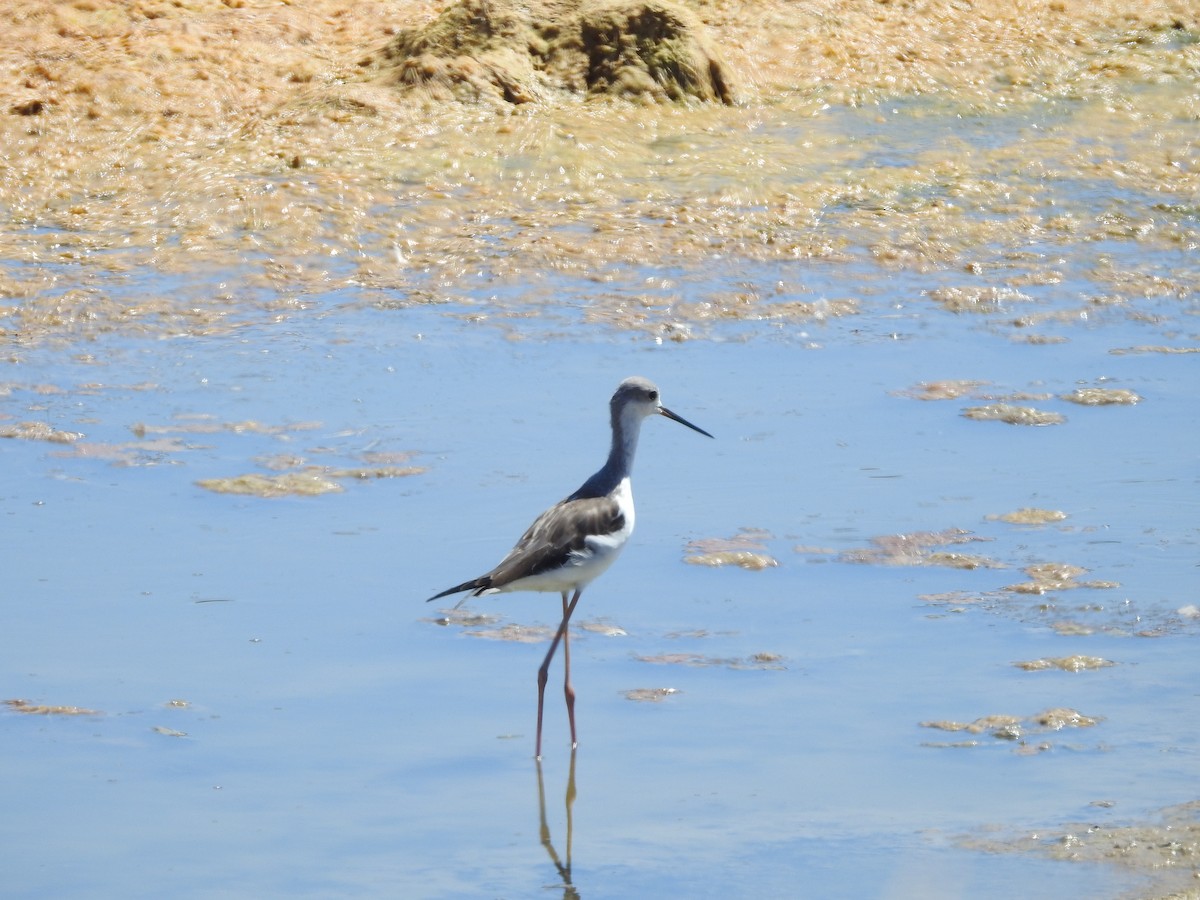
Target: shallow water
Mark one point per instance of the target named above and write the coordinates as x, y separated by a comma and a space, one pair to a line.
337, 739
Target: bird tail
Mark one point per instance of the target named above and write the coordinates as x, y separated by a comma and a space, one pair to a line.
475, 585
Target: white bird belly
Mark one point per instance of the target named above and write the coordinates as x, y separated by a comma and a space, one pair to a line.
584, 566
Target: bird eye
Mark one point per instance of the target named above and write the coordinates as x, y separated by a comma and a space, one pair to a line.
653, 395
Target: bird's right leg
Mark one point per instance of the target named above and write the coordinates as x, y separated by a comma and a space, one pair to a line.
544, 671
568, 691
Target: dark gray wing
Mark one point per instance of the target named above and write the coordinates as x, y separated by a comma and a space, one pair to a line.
555, 535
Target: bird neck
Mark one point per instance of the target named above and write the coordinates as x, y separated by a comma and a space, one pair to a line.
625, 431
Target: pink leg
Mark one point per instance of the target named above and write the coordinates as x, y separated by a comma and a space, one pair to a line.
568, 691
543, 673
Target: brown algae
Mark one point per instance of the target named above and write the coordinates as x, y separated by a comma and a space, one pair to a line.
289, 484
1076, 663
975, 299
650, 695
328, 112
746, 550
39, 709
949, 389
1013, 414
39, 431
1095, 396
920, 548
1009, 728
763, 661
308, 482
1030, 516
1167, 845
1050, 576
514, 633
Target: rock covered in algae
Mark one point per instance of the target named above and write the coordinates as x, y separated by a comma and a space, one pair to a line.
515, 52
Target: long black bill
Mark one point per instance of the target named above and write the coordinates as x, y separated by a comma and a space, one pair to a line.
682, 421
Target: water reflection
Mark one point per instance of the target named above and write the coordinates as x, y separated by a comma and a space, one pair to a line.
570, 892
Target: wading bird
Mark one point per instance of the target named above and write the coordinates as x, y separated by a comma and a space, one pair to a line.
576, 540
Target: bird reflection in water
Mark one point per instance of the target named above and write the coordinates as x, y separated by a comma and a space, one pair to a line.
570, 892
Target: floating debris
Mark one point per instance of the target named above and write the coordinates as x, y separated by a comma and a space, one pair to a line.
207, 424
1038, 340
387, 457
1174, 842
1056, 577
743, 559
465, 618
951, 389
309, 481
1171, 844
1015, 728
1024, 749
487, 625
758, 661
650, 695
680, 659
812, 550
1054, 574
1061, 717
517, 634
767, 660
980, 725
961, 561
745, 550
1013, 415
280, 462
957, 600
1158, 348
606, 629
1075, 663
697, 633
1030, 516
1068, 628
917, 548
134, 453
169, 732
39, 431
976, 299
37, 709
366, 473
289, 484
1094, 396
